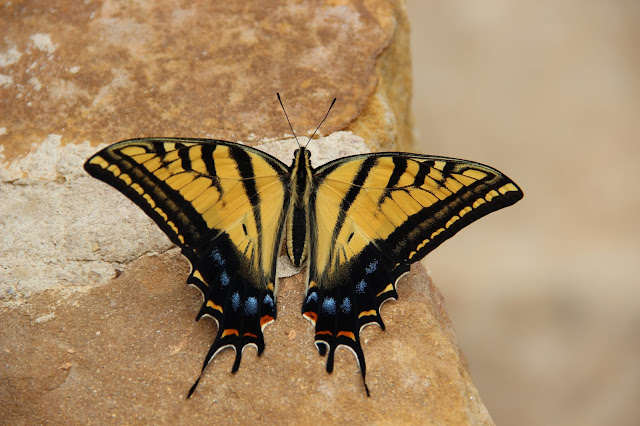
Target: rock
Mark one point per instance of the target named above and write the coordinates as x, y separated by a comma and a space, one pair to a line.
131, 350
97, 324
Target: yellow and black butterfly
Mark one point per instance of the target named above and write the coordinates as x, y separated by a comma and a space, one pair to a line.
359, 221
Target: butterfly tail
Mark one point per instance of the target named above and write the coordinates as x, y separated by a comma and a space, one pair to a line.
241, 304
341, 310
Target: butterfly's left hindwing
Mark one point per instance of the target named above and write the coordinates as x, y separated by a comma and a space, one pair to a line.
224, 204
372, 216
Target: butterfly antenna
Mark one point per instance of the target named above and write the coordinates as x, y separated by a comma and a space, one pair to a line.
325, 117
285, 114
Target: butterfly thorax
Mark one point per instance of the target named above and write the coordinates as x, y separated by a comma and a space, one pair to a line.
301, 185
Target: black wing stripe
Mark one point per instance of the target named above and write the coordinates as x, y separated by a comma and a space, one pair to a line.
245, 168
160, 149
423, 170
400, 166
210, 164
350, 197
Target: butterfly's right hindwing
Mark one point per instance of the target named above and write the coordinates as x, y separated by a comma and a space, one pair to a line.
224, 205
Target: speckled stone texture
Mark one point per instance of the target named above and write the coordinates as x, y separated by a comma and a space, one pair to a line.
97, 326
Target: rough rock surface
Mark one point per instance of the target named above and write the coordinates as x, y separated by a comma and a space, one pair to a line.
96, 326
130, 350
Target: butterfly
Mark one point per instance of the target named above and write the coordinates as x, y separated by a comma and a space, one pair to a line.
358, 221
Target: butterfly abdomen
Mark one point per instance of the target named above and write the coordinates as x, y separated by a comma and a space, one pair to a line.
298, 214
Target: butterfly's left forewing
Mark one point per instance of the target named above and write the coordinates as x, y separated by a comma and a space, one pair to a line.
372, 216
224, 205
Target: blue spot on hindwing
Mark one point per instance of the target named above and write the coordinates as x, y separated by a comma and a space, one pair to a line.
345, 307
329, 306
217, 257
235, 301
268, 300
250, 306
361, 287
313, 297
372, 267
224, 279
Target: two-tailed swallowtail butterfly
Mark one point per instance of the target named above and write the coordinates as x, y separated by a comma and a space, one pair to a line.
359, 221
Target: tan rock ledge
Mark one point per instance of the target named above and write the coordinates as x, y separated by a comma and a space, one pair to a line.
97, 325
129, 350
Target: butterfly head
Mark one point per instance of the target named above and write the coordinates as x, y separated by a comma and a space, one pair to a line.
302, 151
302, 158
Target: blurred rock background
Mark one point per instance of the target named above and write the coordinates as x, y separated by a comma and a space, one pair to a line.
545, 296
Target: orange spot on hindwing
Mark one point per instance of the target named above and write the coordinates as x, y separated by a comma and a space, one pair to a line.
348, 334
264, 320
229, 332
311, 316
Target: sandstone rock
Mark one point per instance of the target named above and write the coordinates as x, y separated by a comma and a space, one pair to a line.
97, 324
